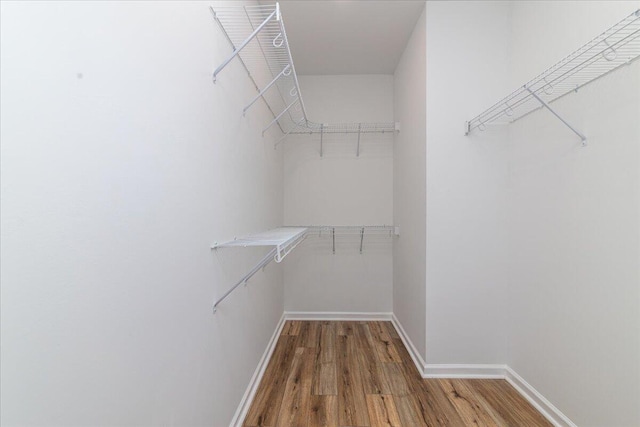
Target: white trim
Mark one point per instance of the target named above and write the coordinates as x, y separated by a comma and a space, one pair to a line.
413, 352
546, 408
550, 412
336, 315
467, 371
252, 388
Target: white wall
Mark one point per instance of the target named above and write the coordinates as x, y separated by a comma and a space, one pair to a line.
121, 164
409, 192
466, 275
341, 189
574, 225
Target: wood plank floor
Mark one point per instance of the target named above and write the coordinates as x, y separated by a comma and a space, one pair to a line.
359, 374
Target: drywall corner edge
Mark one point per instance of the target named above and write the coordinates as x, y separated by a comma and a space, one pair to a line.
252, 388
413, 352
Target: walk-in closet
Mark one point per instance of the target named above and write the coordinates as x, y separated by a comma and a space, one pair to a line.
320, 213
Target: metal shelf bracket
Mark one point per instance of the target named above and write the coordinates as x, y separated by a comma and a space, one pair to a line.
548, 107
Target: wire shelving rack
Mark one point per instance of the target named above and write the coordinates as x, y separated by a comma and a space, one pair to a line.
282, 240
331, 231
614, 48
259, 40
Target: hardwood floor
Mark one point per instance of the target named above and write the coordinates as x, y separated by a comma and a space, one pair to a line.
359, 374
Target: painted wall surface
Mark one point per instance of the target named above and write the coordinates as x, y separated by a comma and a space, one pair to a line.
409, 192
466, 276
121, 164
574, 225
340, 188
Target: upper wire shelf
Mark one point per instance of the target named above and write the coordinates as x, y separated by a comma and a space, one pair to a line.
259, 40
617, 46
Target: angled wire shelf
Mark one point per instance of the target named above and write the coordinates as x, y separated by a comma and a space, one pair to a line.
617, 46
259, 41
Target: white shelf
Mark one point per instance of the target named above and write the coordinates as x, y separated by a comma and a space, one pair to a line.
284, 239
259, 40
614, 48
358, 230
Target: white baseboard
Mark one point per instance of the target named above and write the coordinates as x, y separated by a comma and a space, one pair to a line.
249, 394
553, 414
465, 371
548, 410
336, 315
413, 352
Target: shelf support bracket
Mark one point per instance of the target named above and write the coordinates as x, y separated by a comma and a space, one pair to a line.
280, 115
361, 239
244, 43
263, 263
333, 237
548, 107
321, 137
262, 92
358, 151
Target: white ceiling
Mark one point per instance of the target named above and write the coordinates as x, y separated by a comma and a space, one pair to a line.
348, 37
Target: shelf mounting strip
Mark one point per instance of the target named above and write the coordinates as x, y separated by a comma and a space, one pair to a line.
617, 46
259, 40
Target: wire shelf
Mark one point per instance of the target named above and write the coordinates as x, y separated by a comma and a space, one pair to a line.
387, 127
350, 229
258, 38
617, 46
284, 239
331, 231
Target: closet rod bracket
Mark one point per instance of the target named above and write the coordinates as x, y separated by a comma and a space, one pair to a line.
548, 107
